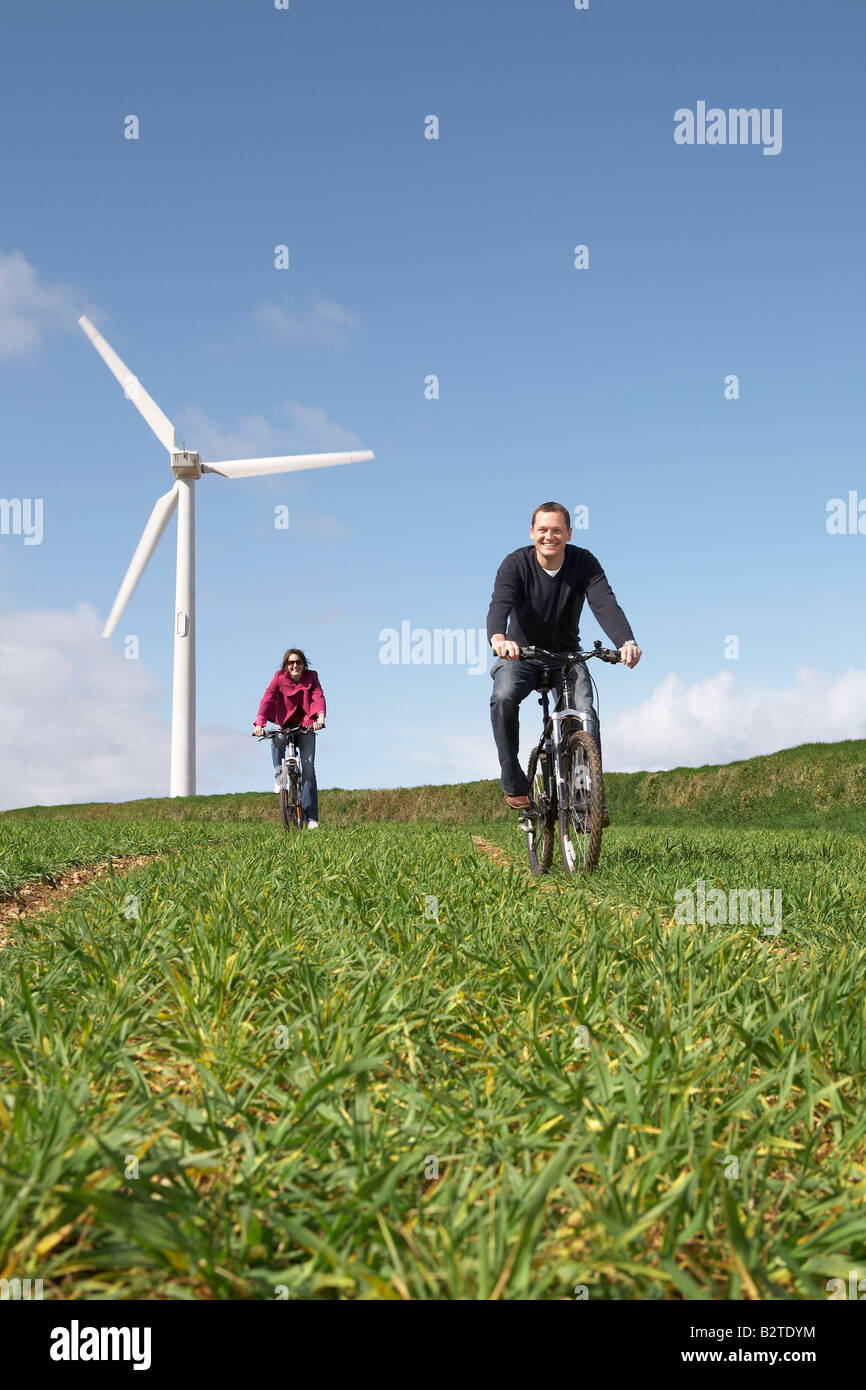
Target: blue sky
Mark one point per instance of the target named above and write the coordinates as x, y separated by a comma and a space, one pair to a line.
409, 257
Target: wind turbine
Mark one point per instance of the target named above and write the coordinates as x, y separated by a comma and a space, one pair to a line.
187, 469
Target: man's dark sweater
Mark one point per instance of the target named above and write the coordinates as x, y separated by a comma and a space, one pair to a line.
545, 612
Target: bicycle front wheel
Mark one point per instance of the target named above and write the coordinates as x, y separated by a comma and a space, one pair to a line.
296, 817
542, 815
581, 815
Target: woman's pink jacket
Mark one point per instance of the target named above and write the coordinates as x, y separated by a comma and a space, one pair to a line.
288, 701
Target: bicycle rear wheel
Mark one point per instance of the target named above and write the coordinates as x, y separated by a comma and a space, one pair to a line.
542, 815
580, 818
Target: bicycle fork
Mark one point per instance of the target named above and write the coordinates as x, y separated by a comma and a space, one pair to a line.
550, 748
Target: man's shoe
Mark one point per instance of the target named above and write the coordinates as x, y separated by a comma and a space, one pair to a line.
312, 825
518, 803
605, 818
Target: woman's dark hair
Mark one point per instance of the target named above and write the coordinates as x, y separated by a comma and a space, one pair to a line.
294, 651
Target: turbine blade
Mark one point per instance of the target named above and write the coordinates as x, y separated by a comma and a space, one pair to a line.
133, 389
156, 524
288, 463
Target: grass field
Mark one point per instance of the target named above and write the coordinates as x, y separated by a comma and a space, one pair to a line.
259, 1066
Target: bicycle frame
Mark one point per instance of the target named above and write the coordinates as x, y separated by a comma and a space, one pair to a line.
565, 776
550, 742
290, 770
291, 759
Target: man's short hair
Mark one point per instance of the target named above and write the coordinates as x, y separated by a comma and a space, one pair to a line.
553, 507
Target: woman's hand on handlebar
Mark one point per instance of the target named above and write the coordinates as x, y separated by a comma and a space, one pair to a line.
258, 730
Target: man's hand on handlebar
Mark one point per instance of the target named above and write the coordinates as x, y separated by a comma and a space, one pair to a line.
504, 648
630, 654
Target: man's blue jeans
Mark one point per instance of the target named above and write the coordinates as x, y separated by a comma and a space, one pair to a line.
307, 749
512, 682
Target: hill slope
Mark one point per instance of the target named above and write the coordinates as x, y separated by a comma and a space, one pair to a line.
813, 784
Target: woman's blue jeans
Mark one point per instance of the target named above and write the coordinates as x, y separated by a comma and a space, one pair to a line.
512, 682
307, 748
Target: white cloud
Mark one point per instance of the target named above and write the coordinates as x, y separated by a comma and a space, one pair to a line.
30, 308
307, 430
78, 721
719, 720
713, 721
326, 322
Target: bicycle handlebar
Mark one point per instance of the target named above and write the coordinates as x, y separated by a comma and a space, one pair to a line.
603, 653
290, 729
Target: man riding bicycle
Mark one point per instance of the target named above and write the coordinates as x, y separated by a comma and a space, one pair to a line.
537, 599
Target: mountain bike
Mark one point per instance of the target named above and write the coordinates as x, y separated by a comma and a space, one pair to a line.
289, 776
566, 791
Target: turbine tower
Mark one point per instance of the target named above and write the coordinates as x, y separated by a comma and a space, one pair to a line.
187, 469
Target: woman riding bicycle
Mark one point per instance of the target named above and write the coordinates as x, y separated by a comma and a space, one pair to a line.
295, 696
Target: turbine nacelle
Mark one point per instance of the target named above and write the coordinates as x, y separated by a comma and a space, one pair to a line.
185, 463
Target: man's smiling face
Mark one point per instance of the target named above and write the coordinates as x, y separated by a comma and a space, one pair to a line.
550, 535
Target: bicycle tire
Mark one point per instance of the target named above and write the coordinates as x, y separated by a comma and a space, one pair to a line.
580, 820
539, 841
297, 818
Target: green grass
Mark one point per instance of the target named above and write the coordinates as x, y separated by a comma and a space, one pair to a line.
302, 1159
36, 848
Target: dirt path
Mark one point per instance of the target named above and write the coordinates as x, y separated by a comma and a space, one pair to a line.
492, 851
502, 860
498, 856
32, 898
